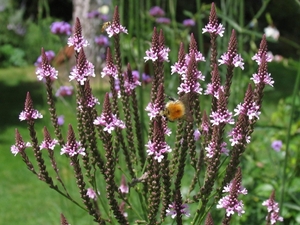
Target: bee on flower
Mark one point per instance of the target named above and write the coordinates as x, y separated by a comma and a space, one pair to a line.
177, 109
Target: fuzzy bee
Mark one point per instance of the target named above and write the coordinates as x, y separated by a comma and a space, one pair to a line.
105, 25
178, 109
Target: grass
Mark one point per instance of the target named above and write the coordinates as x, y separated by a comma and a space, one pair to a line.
26, 200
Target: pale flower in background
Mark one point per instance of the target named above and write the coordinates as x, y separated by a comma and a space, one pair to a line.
278, 58
272, 32
276, 145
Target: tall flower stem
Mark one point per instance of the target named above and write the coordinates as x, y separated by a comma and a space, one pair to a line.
199, 25
43, 173
83, 191
139, 126
81, 118
49, 74
52, 111
110, 183
140, 24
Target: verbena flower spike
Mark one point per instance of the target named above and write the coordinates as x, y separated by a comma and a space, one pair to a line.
77, 40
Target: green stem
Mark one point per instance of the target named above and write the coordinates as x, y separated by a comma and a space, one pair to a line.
289, 42
139, 33
288, 137
172, 7
200, 26
104, 206
68, 197
260, 11
240, 37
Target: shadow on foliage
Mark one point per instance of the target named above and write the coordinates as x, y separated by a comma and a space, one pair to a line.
12, 101
285, 78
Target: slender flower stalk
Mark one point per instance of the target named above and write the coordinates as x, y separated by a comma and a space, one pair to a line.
154, 187
214, 29
109, 121
115, 73
136, 116
214, 87
239, 135
158, 54
20, 147
49, 74
77, 40
273, 210
115, 27
111, 70
263, 50
219, 119
209, 220
198, 76
114, 30
261, 79
73, 149
179, 67
221, 115
126, 88
93, 157
83, 69
190, 90
156, 146
49, 144
86, 102
157, 149
63, 220
177, 209
50, 56
230, 202
166, 187
45, 71
29, 114
81, 73
231, 59
248, 113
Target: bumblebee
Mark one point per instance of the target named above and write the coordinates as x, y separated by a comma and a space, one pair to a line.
177, 109
105, 25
